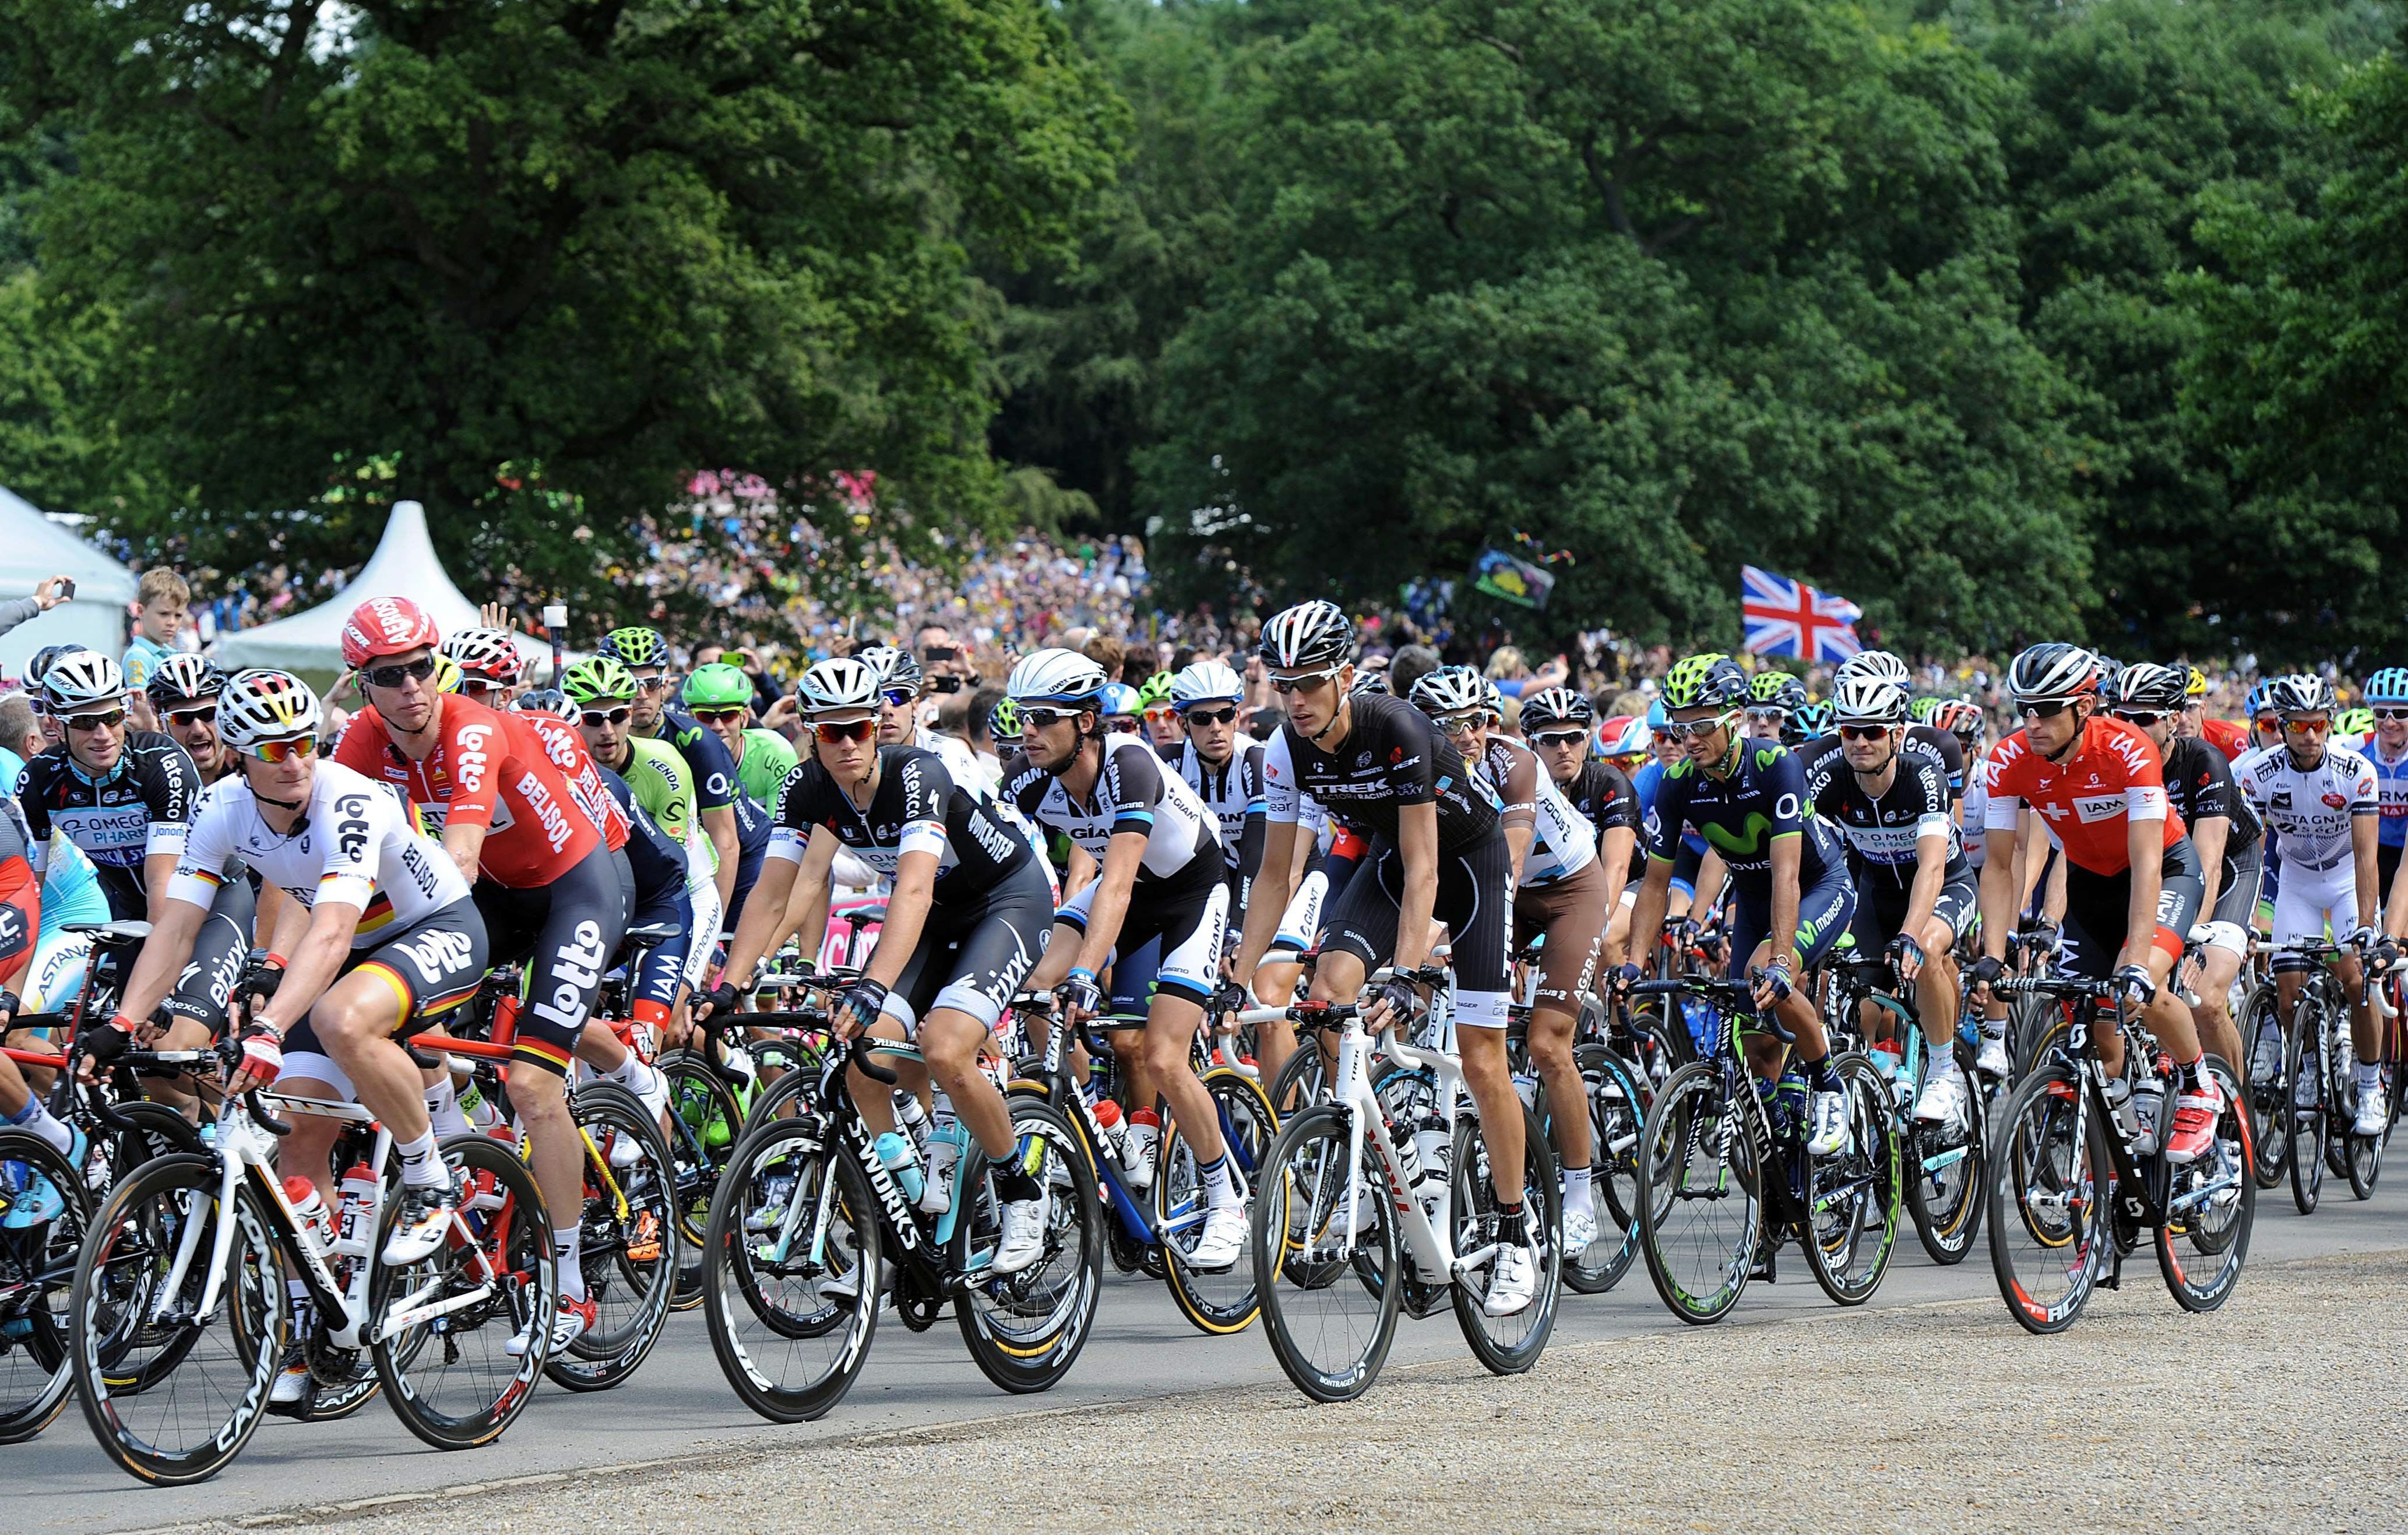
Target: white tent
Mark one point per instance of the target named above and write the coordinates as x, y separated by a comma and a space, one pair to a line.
32, 546
403, 565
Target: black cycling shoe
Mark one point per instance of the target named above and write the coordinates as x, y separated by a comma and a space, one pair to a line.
1765, 1270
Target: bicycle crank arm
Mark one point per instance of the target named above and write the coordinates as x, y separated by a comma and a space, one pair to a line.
399, 1322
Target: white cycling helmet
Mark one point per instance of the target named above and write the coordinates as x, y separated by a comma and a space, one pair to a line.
1879, 664
1206, 682
264, 705
2301, 693
841, 684
80, 680
1055, 676
1451, 690
486, 654
1868, 699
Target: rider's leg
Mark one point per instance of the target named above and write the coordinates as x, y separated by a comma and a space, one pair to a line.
353, 1024
1935, 988
2217, 966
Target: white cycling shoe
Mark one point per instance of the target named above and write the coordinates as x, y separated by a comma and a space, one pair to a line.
1830, 1123
1512, 1282
1579, 1229
1222, 1239
1944, 1100
1993, 1060
2373, 1114
1023, 1242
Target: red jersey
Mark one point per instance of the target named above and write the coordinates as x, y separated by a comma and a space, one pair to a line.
2226, 737
566, 748
488, 770
2114, 776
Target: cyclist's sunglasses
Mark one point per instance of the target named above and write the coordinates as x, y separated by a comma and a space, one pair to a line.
1041, 719
833, 732
1463, 724
2307, 728
898, 696
1691, 729
1302, 679
303, 747
1160, 714
2392, 713
1120, 724
1864, 732
653, 684
413, 671
1772, 713
1198, 718
2141, 717
598, 717
2045, 709
1560, 738
107, 721
477, 687
207, 714
720, 716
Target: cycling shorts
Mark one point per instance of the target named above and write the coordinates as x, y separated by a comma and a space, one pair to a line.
973, 956
1825, 910
219, 949
432, 965
1300, 923
1132, 980
2228, 925
1571, 914
2314, 899
1189, 918
567, 931
658, 979
1473, 884
1881, 911
2097, 912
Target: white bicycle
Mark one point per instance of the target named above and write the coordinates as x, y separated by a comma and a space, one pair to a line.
178, 1315
1378, 1200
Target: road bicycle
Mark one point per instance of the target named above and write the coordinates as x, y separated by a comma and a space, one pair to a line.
1942, 1162
2074, 1176
1352, 1224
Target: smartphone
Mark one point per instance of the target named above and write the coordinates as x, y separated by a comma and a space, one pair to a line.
944, 682
66, 589
943, 653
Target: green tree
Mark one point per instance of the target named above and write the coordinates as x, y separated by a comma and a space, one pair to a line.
587, 246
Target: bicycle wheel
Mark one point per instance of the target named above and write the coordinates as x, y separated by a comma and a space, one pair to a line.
1700, 1202
36, 1281
630, 1247
2341, 1082
1223, 1301
1613, 1123
2211, 1206
1325, 1254
1943, 1175
1852, 1220
2303, 1072
2270, 1124
789, 1272
1506, 1345
1303, 1078
174, 1393
2050, 1178
1024, 1330
704, 1121
443, 1325
2366, 1151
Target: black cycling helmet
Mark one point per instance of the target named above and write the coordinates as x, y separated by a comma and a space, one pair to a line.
184, 675
1557, 706
2145, 685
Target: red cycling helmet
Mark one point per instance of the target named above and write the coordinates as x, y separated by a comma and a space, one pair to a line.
386, 626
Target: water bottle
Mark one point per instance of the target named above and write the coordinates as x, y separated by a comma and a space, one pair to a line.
902, 1164
1433, 1150
2148, 1102
1525, 1086
358, 1196
913, 1119
946, 1139
310, 1211
1108, 1114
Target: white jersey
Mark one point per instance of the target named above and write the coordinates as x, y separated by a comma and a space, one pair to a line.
357, 846
2312, 809
1563, 841
1977, 799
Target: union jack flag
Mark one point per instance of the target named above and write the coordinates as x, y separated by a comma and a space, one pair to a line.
1789, 617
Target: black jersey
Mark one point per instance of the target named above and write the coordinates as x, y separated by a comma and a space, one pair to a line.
1602, 792
917, 808
1759, 799
143, 805
1882, 833
659, 864
1822, 755
1134, 791
2199, 781
1394, 755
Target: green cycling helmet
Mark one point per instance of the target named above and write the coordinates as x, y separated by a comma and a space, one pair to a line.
1154, 689
2353, 722
1004, 721
604, 677
1705, 682
717, 685
1920, 710
1774, 689
635, 647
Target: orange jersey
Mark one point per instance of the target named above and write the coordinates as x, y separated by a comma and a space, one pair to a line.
2226, 737
2114, 776
488, 770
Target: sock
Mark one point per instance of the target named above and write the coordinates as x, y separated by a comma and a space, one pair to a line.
419, 1167
37, 1119
1819, 1074
572, 1272
443, 1108
2186, 1076
1013, 1183
1576, 1191
1088, 1092
1513, 1224
1219, 1187
2369, 1076
1943, 1064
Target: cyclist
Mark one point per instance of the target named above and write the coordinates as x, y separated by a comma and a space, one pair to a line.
1775, 699
2200, 784
1437, 854
1557, 722
552, 883
2132, 880
1158, 705
2323, 801
1788, 868
125, 797
1119, 704
183, 690
738, 827
1562, 896
967, 916
1916, 894
491, 667
721, 697
2386, 750
1207, 697
1823, 753
1162, 875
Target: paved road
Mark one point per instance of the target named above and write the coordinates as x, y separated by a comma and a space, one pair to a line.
680, 1405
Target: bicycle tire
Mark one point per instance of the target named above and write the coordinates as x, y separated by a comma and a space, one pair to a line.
135, 1233
2228, 1240
2270, 1124
699, 1101
732, 1272
1616, 1114
1943, 1182
1543, 1208
1693, 1091
1867, 1171
2366, 1151
2029, 1138
611, 1246
1305, 1161
1056, 1326
35, 1378
2341, 1082
1222, 1302
512, 1241
1303, 1077
2310, 1122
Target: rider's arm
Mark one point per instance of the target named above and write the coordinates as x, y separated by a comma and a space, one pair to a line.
2363, 834
1417, 849
2002, 881
1788, 851
2207, 835
765, 907
2146, 843
1079, 875
1122, 857
157, 869
1647, 912
312, 965
1932, 831
466, 844
1268, 899
1706, 893
1520, 791
171, 796
719, 825
178, 922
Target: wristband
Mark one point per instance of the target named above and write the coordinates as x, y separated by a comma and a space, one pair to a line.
123, 1023
1082, 973
277, 960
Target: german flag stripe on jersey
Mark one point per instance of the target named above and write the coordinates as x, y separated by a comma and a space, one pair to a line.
540, 1052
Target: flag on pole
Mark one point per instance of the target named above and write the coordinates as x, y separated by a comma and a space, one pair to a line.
1787, 617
